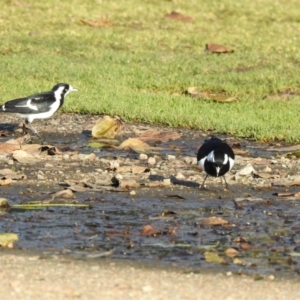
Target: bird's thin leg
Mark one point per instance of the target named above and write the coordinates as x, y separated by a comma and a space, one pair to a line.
226, 185
202, 185
35, 132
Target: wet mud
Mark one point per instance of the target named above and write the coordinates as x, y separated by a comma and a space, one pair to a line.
258, 225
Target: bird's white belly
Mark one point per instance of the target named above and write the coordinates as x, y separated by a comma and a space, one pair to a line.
44, 115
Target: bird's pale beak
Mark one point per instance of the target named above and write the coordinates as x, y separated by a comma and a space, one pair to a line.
218, 171
71, 89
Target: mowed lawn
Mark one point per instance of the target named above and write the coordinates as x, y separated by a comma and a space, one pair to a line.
133, 61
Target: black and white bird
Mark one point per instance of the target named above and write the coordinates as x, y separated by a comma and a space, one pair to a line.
38, 106
215, 158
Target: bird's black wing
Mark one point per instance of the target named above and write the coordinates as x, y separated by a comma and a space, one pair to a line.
37, 103
214, 144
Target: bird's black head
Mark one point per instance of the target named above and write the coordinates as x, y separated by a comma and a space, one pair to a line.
63, 89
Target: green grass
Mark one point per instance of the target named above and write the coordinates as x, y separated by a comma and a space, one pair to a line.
141, 66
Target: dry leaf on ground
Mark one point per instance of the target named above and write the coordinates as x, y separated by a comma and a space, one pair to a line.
4, 205
7, 239
36, 149
158, 183
67, 193
266, 175
8, 148
213, 221
231, 252
5, 181
126, 184
178, 16
135, 145
7, 173
223, 98
213, 257
96, 23
107, 127
148, 230
161, 136
286, 183
23, 157
193, 91
215, 48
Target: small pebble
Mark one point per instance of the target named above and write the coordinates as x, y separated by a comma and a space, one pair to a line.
179, 175
171, 157
167, 181
267, 169
119, 176
114, 164
132, 193
47, 165
151, 161
143, 156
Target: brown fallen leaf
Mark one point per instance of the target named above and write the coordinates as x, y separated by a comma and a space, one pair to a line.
178, 16
213, 221
36, 149
172, 230
240, 152
286, 183
205, 95
96, 23
213, 257
193, 91
23, 157
231, 252
7, 239
7, 173
5, 181
161, 136
136, 145
168, 213
64, 194
238, 261
239, 239
223, 98
126, 184
266, 175
107, 127
18, 141
8, 148
215, 48
148, 230
245, 246
4, 205
158, 183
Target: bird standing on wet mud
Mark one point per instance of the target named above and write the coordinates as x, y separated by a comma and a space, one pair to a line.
216, 158
38, 106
